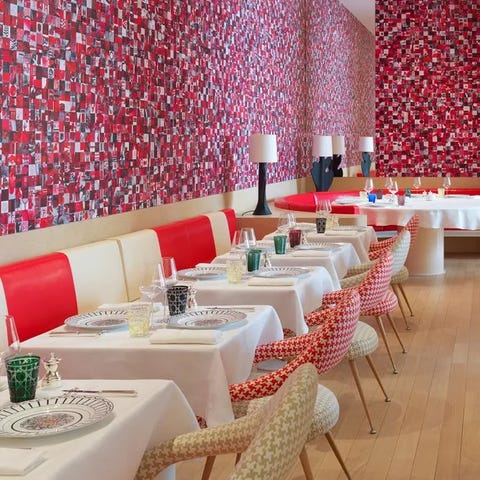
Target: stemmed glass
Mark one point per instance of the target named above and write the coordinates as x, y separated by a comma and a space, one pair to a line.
368, 185
250, 236
240, 240
417, 183
392, 187
447, 183
286, 221
167, 271
13, 339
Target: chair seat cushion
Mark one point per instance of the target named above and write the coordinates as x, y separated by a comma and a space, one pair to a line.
325, 414
401, 276
365, 341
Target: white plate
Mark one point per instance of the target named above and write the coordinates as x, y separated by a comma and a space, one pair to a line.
100, 320
206, 319
349, 200
306, 227
350, 228
456, 195
51, 416
281, 272
203, 273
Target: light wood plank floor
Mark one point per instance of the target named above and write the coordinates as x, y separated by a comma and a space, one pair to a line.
431, 428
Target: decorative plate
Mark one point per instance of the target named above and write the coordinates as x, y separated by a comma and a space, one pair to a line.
350, 228
99, 320
203, 273
51, 416
206, 319
281, 272
349, 200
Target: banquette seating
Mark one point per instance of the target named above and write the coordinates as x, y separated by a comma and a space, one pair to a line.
42, 292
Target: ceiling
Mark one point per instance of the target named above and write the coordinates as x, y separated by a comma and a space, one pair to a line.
364, 10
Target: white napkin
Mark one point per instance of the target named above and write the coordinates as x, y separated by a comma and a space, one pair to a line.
274, 282
114, 306
341, 233
311, 253
205, 265
176, 335
19, 461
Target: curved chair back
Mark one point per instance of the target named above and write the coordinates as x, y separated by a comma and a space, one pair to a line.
287, 419
377, 282
400, 250
325, 348
412, 226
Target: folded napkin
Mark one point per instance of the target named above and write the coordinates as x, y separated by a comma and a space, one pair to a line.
341, 233
274, 282
311, 253
19, 461
174, 335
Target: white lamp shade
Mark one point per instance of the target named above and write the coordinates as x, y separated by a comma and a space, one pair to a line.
365, 144
322, 146
263, 148
338, 142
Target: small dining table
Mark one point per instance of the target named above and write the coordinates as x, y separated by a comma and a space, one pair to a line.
359, 237
203, 372
335, 258
111, 449
291, 301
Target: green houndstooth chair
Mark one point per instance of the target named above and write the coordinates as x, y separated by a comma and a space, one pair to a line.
272, 436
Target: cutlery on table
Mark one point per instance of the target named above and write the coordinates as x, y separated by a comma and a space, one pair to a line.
108, 393
75, 334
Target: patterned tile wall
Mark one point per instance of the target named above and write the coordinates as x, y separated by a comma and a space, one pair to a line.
111, 106
428, 87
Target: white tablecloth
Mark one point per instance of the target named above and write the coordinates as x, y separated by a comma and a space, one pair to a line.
360, 239
291, 302
202, 372
113, 448
448, 212
337, 261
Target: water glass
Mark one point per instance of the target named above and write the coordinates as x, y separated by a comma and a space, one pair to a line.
441, 192
286, 221
294, 237
253, 259
234, 270
139, 315
177, 297
401, 200
321, 223
372, 197
168, 272
240, 240
22, 376
280, 242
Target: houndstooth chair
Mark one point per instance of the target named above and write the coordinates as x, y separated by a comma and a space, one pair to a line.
375, 298
272, 435
399, 278
325, 348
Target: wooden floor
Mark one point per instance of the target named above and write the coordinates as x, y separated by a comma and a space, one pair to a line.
431, 428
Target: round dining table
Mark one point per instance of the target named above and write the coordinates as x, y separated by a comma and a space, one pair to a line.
426, 257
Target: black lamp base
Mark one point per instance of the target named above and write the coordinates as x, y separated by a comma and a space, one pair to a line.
262, 206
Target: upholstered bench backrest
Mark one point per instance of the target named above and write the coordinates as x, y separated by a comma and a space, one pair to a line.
97, 272
140, 254
38, 292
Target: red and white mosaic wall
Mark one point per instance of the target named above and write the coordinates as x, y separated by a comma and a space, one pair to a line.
427, 87
111, 106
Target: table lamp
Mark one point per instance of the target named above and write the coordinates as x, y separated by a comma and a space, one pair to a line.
322, 174
262, 150
338, 143
365, 145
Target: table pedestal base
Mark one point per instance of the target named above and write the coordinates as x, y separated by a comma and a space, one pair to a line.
426, 255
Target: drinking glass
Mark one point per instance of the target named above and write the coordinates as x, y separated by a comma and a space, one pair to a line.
417, 183
250, 235
368, 185
447, 183
168, 271
393, 189
13, 339
286, 221
240, 240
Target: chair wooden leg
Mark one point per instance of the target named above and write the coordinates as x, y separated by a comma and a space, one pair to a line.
238, 456
307, 470
385, 341
396, 290
356, 377
207, 469
377, 376
406, 298
394, 327
333, 446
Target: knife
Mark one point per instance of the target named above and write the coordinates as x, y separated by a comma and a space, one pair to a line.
110, 393
74, 334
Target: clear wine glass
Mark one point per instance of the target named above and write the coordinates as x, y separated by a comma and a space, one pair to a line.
286, 221
368, 185
240, 240
447, 183
250, 235
417, 183
169, 271
393, 189
13, 339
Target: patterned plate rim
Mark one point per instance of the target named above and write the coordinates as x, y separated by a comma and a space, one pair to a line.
100, 408
202, 273
236, 316
122, 315
277, 272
